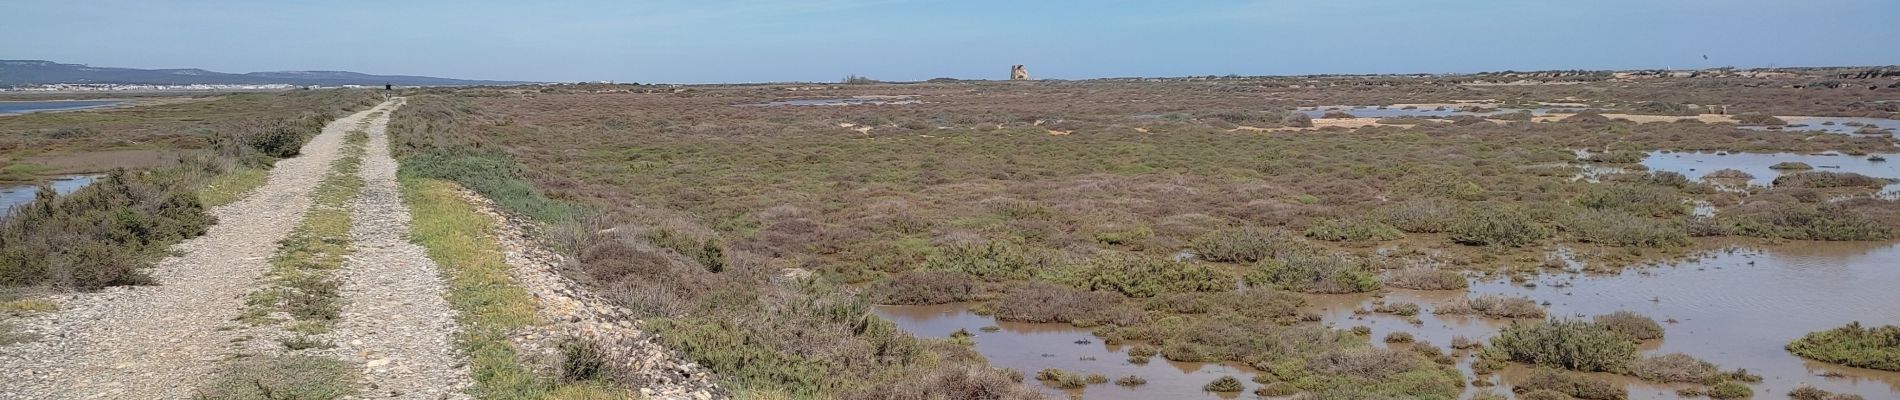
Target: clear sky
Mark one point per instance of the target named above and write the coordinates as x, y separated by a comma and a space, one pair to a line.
824, 40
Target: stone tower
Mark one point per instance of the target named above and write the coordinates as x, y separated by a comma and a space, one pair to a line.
1018, 73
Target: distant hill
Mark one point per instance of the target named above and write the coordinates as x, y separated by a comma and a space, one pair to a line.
37, 72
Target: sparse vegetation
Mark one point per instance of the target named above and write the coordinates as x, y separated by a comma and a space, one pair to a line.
1494, 306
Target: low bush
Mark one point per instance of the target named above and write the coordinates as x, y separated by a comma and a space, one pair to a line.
1674, 368
1396, 308
1790, 165
1630, 324
1854, 346
1046, 302
1130, 381
1617, 228
1759, 119
1398, 337
925, 287
1569, 344
1314, 271
1248, 244
1494, 306
1508, 226
1638, 199
1570, 384
1420, 215
101, 235
1352, 230
1225, 384
1424, 278
1147, 276
1802, 221
991, 261
1829, 179
1297, 119
1728, 173
1813, 393
1730, 390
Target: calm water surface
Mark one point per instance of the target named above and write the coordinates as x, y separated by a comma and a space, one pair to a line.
1736, 308
22, 107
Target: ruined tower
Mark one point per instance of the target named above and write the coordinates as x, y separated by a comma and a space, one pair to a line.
1018, 73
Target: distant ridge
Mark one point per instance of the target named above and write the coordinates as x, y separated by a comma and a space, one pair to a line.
14, 73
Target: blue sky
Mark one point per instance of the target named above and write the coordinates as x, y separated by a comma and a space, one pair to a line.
824, 40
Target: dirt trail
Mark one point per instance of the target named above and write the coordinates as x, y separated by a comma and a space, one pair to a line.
159, 342
396, 322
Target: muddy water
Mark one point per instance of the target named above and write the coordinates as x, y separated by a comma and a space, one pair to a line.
1032, 347
1695, 165
1736, 308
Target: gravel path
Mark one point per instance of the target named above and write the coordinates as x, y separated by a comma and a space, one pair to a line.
159, 342
395, 322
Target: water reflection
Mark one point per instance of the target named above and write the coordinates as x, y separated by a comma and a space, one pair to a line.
1759, 165
1030, 347
1736, 308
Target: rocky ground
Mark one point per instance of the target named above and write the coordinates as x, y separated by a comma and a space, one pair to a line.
571, 311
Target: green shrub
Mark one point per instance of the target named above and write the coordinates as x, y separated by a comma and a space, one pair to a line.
1147, 276
1644, 200
925, 287
1617, 228
1130, 381
1790, 165
1353, 230
1755, 118
1421, 278
1507, 226
1829, 179
1570, 344
1854, 346
1314, 271
1494, 306
1037, 301
1806, 392
1730, 390
1243, 244
1801, 221
1570, 384
1225, 384
1674, 368
101, 235
1420, 215
1630, 324
992, 261
1276, 389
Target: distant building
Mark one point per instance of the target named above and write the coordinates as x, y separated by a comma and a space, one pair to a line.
1018, 73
